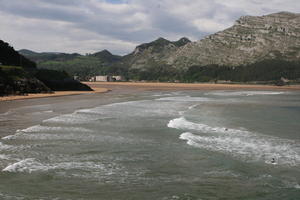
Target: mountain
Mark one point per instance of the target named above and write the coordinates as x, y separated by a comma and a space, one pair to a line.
251, 39
83, 66
153, 53
255, 48
264, 49
16, 73
8, 56
45, 56
106, 56
19, 75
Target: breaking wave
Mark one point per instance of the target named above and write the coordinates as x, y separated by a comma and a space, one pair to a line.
245, 93
30, 165
40, 128
45, 129
185, 99
239, 143
183, 124
246, 148
5, 146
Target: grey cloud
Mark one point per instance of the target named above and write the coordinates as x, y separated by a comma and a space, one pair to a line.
120, 25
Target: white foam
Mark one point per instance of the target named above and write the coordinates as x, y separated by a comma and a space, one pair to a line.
6, 113
193, 106
244, 93
87, 137
4, 157
26, 165
40, 128
161, 95
221, 173
10, 137
5, 146
247, 147
183, 124
291, 184
38, 132
42, 112
30, 165
185, 99
70, 119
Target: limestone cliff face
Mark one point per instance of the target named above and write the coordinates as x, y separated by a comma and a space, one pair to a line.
153, 53
249, 40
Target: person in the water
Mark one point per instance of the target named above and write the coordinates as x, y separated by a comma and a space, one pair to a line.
273, 160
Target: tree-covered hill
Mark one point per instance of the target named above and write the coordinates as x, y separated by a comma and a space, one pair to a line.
263, 48
19, 75
83, 66
8, 56
41, 57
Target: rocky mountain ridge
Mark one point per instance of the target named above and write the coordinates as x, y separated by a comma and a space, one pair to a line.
250, 39
153, 53
244, 52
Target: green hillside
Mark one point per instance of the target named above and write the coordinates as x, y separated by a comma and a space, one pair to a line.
255, 49
19, 75
99, 63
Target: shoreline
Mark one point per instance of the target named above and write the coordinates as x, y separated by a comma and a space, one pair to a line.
55, 94
187, 86
103, 87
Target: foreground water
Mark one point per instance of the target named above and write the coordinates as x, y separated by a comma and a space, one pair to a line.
155, 145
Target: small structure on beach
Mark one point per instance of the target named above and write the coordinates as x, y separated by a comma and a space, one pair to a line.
106, 78
101, 78
283, 81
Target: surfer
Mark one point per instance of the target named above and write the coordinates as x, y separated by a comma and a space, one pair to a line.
273, 161
226, 129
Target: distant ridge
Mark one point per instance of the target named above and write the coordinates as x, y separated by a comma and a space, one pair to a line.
153, 53
251, 39
255, 48
106, 56
45, 56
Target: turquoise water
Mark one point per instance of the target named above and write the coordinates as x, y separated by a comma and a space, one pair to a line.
154, 145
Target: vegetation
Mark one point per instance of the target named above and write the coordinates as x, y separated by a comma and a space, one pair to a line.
148, 63
15, 80
41, 57
82, 66
19, 75
8, 56
267, 70
60, 80
100, 63
263, 71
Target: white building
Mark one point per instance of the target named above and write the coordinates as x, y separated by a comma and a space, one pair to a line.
101, 78
106, 78
118, 78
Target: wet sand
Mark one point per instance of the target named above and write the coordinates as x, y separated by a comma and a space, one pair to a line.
101, 87
55, 94
185, 86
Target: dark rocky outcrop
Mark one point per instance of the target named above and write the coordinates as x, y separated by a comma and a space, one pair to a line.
19, 75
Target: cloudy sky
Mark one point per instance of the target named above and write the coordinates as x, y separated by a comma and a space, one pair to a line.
87, 26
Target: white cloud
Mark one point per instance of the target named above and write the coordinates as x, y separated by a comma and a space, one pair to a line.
208, 25
92, 25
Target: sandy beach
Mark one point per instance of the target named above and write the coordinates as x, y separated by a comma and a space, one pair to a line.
101, 87
55, 94
185, 86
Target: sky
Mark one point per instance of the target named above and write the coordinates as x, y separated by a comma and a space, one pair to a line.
87, 26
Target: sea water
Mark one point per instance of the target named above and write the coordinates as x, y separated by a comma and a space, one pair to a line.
155, 145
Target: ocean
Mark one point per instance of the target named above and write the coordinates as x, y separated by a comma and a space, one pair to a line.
152, 145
